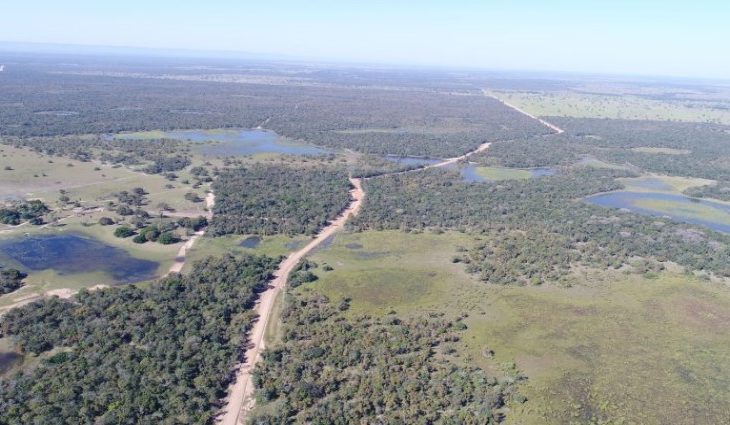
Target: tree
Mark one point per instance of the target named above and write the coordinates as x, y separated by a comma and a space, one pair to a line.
123, 232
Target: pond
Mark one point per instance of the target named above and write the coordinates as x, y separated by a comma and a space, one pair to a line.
476, 174
711, 214
68, 254
250, 242
231, 142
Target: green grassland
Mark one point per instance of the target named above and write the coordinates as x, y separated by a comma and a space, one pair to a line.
660, 183
503, 173
661, 151
618, 349
581, 105
33, 175
697, 211
273, 246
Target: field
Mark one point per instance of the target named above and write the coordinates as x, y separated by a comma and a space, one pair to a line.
619, 349
38, 176
659, 183
273, 246
502, 173
581, 105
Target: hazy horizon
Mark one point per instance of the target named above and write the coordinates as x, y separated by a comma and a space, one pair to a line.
654, 38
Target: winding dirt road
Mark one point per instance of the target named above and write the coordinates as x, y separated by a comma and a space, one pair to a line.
240, 398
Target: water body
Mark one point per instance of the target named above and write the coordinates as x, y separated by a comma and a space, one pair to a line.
470, 174
713, 215
8, 360
232, 142
69, 254
412, 161
251, 242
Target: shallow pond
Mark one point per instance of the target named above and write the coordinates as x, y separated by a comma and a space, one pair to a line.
8, 360
251, 242
231, 142
714, 215
68, 254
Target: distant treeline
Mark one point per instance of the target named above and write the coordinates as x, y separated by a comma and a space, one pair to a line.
674, 148
377, 120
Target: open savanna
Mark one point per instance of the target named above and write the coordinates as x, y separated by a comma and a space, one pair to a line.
27, 174
274, 246
618, 349
581, 105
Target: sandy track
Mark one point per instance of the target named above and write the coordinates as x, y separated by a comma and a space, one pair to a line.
179, 263
240, 397
549, 125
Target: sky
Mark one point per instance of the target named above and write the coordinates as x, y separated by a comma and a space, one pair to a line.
642, 37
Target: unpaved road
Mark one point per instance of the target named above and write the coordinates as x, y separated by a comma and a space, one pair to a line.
179, 263
551, 126
240, 397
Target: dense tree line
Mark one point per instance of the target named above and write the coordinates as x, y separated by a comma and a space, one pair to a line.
331, 369
15, 213
535, 230
157, 355
277, 199
719, 191
10, 280
699, 150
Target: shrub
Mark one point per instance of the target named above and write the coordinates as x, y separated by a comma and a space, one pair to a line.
123, 232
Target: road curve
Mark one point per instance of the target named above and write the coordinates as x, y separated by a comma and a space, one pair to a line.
240, 398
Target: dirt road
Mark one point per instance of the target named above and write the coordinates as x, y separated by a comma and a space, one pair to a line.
240, 399
179, 263
551, 126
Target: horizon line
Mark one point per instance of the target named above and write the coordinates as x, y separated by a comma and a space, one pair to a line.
224, 54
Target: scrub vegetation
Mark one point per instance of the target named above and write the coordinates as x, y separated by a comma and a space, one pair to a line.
160, 354
269, 200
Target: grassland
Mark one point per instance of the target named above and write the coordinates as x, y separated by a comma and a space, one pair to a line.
273, 246
661, 151
503, 173
688, 210
32, 175
660, 183
619, 349
581, 105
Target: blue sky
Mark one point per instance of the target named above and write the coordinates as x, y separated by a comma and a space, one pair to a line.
684, 38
